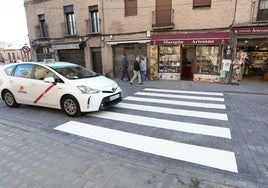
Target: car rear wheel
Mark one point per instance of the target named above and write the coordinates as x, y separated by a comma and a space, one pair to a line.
10, 99
70, 106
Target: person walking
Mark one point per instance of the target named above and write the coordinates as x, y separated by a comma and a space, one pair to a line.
143, 70
136, 72
125, 67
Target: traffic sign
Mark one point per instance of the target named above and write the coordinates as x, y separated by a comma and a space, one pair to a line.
26, 49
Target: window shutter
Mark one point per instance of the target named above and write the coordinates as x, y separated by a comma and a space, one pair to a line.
130, 7
201, 3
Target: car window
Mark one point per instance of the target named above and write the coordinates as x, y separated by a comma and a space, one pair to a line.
41, 73
74, 72
24, 70
9, 70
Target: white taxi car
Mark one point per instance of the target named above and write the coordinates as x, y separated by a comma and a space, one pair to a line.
61, 85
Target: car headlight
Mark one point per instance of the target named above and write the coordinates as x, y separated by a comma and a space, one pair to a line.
87, 90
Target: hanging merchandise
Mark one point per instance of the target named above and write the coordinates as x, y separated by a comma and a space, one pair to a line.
225, 71
226, 63
238, 64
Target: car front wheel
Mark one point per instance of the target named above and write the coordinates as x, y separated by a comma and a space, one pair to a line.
70, 106
10, 99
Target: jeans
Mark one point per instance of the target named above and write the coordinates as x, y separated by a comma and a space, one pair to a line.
143, 77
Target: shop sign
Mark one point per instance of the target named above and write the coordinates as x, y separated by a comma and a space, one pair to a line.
251, 30
191, 42
206, 78
66, 46
209, 38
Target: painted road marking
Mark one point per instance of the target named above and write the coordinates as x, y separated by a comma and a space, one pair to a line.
181, 96
210, 157
166, 124
190, 113
174, 102
185, 92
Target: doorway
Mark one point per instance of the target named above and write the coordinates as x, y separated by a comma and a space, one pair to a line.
96, 60
256, 61
187, 59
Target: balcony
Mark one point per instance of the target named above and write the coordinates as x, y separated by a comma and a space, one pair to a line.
262, 15
93, 26
68, 29
163, 19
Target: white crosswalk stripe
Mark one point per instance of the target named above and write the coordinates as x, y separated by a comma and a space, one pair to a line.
166, 124
182, 103
181, 96
190, 113
184, 92
206, 156
195, 154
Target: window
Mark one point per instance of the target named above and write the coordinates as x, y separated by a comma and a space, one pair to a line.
9, 70
13, 57
24, 71
208, 59
131, 7
2, 58
41, 73
94, 19
263, 10
9, 57
201, 3
42, 26
70, 20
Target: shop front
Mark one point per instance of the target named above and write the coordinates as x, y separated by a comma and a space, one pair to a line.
70, 52
132, 51
188, 56
254, 42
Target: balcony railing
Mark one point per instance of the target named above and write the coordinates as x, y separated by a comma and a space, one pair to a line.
163, 19
262, 15
93, 26
68, 29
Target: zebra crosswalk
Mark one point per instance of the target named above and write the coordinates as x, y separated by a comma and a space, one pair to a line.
165, 102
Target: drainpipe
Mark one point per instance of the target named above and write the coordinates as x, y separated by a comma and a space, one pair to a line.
233, 41
252, 10
102, 25
234, 16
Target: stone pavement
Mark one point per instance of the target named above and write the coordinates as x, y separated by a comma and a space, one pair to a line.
32, 159
36, 158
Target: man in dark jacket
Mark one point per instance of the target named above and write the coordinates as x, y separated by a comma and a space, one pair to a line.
136, 71
125, 67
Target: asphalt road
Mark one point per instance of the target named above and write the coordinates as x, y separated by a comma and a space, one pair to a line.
154, 138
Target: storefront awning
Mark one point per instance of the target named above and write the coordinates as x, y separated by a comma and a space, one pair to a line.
209, 38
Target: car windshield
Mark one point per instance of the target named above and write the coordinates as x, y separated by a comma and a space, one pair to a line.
74, 72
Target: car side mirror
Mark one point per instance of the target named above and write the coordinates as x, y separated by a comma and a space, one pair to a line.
50, 80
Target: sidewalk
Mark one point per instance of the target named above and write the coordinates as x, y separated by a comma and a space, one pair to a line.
246, 87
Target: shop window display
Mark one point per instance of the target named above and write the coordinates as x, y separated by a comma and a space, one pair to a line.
169, 59
208, 59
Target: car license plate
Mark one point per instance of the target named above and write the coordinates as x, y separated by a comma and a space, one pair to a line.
114, 97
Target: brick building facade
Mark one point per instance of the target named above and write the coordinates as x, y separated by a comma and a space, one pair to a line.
179, 39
